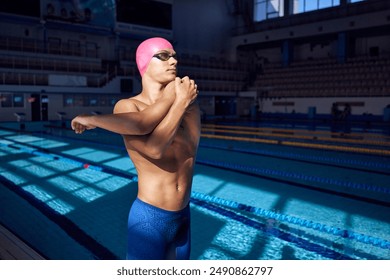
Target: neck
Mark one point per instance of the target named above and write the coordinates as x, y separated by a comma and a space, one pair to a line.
151, 89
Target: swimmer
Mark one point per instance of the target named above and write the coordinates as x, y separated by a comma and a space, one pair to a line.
161, 129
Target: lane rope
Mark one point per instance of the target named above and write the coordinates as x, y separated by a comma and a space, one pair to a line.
378, 242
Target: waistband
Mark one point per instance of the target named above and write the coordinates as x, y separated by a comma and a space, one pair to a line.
163, 211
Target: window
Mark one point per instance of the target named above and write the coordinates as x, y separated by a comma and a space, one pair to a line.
267, 9
301, 6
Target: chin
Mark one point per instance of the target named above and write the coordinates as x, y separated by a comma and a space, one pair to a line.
166, 82
173, 77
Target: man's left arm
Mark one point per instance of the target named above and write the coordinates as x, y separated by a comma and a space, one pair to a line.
155, 144
191, 120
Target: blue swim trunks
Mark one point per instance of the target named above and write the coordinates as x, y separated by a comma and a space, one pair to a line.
157, 234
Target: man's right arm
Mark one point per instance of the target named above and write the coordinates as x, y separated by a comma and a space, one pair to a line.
156, 143
127, 120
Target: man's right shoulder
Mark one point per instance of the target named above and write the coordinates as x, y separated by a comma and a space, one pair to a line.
126, 105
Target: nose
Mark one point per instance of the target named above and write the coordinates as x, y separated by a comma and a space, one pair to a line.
172, 60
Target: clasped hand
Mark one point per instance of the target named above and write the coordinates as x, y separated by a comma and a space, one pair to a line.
186, 90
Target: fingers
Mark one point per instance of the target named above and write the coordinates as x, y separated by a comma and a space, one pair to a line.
178, 81
187, 81
196, 88
77, 126
73, 124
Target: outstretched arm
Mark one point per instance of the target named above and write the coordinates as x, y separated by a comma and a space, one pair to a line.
127, 120
155, 144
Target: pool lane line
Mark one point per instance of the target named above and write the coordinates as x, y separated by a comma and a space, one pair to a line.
300, 144
135, 178
344, 233
270, 173
293, 131
300, 137
318, 160
290, 238
380, 152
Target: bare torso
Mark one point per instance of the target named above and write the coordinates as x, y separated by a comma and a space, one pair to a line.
166, 182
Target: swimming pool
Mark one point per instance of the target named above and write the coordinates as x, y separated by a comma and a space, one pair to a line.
259, 192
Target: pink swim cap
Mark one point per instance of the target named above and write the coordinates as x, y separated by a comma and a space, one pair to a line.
147, 49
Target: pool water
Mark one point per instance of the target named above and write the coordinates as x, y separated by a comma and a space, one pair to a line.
285, 198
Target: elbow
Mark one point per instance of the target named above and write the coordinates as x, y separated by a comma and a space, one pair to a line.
143, 127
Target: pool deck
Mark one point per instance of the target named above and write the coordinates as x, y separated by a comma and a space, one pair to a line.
13, 248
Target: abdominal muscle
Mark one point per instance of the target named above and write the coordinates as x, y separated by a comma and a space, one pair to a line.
164, 183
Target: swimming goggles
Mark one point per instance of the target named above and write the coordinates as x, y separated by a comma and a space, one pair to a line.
164, 56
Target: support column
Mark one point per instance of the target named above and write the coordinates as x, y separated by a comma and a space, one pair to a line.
287, 52
342, 47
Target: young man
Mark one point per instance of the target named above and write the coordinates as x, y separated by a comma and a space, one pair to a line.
161, 131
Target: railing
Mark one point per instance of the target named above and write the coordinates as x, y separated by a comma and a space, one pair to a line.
40, 46
49, 63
